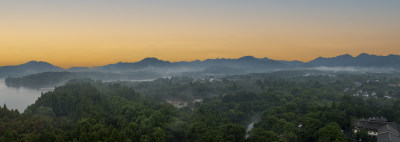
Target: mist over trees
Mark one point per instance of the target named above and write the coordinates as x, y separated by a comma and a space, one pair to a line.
245, 99
291, 106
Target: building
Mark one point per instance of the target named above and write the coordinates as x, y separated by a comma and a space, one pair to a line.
379, 128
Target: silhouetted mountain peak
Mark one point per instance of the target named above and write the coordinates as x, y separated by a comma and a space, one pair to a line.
30, 67
363, 55
345, 56
247, 58
266, 58
152, 60
37, 63
320, 59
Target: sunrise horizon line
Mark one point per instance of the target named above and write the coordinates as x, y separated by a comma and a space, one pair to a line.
172, 61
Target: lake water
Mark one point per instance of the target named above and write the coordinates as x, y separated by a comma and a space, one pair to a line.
18, 98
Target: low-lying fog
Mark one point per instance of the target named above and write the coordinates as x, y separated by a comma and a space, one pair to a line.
20, 98
354, 69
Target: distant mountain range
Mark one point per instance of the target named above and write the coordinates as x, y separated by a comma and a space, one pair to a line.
246, 64
362, 60
31, 67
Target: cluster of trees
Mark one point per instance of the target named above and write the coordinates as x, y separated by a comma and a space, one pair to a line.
291, 108
89, 112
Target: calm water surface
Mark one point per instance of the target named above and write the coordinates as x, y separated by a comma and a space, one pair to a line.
18, 98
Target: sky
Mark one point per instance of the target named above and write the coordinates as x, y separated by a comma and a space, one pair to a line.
97, 32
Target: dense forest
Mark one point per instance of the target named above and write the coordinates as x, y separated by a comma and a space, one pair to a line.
285, 106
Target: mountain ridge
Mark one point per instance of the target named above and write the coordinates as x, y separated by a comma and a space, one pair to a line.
247, 64
30, 67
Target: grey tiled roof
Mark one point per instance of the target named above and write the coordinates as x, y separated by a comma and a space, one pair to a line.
373, 124
387, 131
388, 137
389, 128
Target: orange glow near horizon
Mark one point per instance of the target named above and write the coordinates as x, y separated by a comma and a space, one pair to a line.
73, 34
